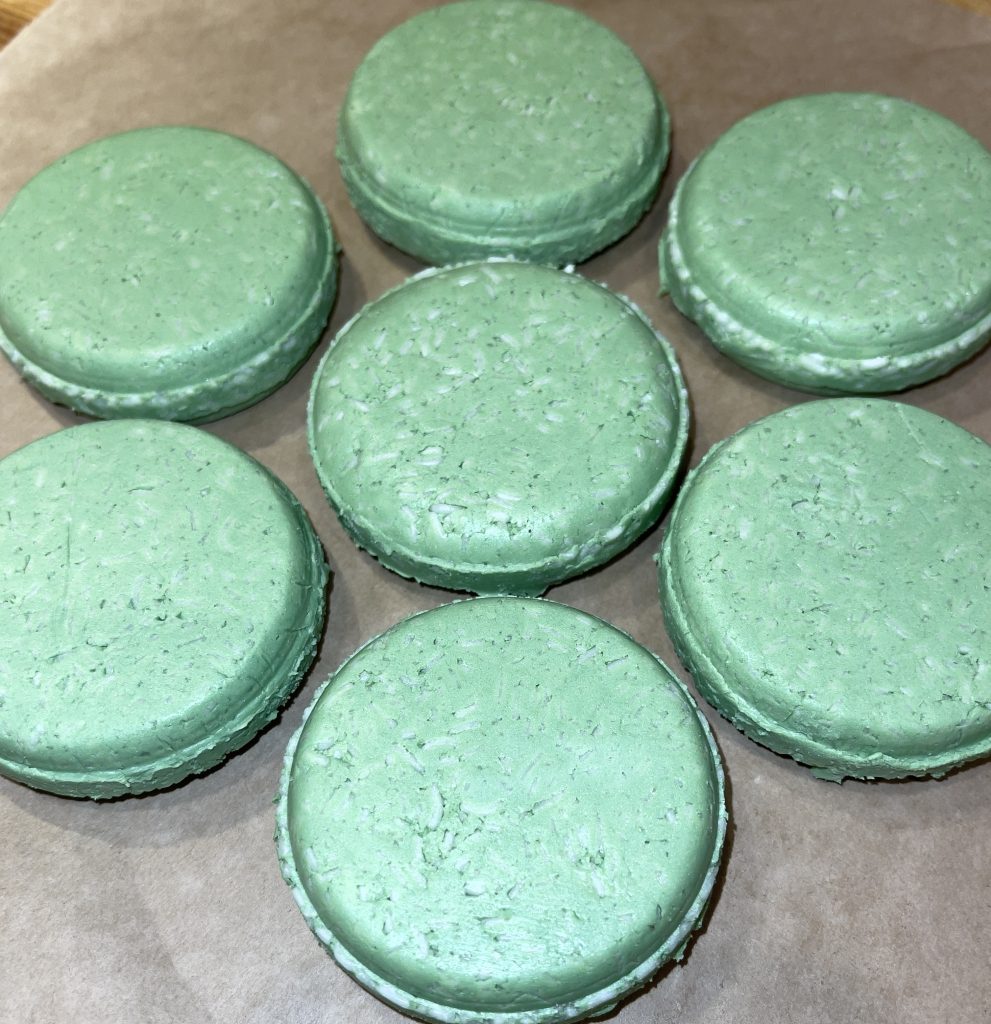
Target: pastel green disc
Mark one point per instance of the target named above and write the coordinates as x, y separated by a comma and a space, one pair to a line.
161, 594
501, 127
837, 243
502, 810
825, 578
497, 427
174, 273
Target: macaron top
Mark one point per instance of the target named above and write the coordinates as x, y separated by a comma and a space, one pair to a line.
159, 258
502, 124
502, 806
501, 425
843, 224
155, 583
827, 571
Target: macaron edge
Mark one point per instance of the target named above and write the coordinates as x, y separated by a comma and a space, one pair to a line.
526, 579
448, 242
204, 400
813, 372
828, 763
599, 1002
208, 752
440, 241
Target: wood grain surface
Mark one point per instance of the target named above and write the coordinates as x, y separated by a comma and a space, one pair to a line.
15, 14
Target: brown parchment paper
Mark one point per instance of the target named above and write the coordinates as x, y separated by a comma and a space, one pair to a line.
861, 902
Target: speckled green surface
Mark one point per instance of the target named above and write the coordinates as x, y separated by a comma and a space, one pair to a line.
497, 427
825, 577
837, 243
502, 810
502, 127
161, 594
174, 273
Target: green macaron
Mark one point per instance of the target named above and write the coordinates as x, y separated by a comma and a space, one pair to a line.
161, 595
837, 243
173, 273
504, 810
825, 578
502, 127
497, 427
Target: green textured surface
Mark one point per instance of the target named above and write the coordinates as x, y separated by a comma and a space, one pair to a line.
173, 272
826, 578
161, 594
502, 127
497, 427
837, 243
502, 807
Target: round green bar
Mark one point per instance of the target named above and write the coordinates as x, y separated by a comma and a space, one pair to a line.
824, 577
837, 243
502, 809
161, 595
502, 128
497, 427
174, 273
